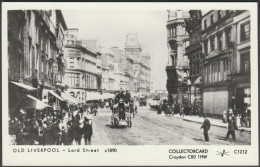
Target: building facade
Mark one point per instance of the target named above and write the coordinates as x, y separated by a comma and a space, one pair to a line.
108, 70
81, 71
240, 71
35, 52
177, 68
193, 51
226, 67
138, 66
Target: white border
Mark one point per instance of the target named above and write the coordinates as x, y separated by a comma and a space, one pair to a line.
131, 155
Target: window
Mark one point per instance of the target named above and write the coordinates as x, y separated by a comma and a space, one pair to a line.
244, 32
212, 44
219, 14
206, 47
211, 19
245, 62
205, 24
228, 38
220, 42
77, 80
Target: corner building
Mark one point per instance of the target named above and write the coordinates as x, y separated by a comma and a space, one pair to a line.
177, 68
81, 71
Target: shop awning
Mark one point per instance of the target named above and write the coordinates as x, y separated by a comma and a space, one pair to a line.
93, 96
33, 103
70, 98
22, 85
56, 95
198, 81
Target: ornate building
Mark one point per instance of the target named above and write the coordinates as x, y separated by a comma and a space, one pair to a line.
35, 52
226, 67
138, 65
81, 71
193, 51
178, 65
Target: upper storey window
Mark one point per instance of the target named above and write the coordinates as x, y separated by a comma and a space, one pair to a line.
205, 23
211, 19
244, 32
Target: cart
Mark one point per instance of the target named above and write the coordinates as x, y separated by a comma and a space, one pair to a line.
116, 114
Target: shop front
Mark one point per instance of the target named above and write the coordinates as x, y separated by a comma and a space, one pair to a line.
215, 100
243, 96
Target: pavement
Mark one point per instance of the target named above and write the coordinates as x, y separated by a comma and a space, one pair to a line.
213, 121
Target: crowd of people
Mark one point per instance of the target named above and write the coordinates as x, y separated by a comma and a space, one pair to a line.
182, 109
49, 127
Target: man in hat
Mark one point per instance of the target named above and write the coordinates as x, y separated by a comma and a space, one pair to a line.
231, 128
87, 131
206, 126
121, 108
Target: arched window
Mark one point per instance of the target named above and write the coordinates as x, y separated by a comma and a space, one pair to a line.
78, 95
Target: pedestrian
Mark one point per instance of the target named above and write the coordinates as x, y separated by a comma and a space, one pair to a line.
87, 131
231, 128
56, 132
224, 119
74, 132
206, 126
182, 111
127, 97
230, 112
136, 104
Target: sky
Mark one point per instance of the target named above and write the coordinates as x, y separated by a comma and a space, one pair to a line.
111, 28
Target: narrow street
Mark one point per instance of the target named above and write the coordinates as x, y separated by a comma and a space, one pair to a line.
151, 129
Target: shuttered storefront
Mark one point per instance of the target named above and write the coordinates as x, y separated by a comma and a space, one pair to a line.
215, 102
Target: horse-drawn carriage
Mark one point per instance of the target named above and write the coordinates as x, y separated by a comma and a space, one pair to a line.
121, 115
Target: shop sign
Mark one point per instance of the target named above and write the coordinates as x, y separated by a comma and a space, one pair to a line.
247, 100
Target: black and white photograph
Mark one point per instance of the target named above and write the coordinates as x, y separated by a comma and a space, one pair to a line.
167, 77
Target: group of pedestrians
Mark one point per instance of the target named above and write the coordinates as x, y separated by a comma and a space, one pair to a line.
232, 126
228, 117
52, 127
243, 116
175, 108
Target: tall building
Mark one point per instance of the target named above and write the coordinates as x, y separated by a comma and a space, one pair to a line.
35, 52
241, 72
95, 46
193, 51
226, 67
177, 68
138, 65
108, 70
81, 71
121, 80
